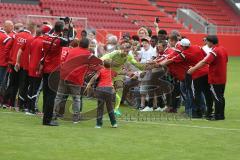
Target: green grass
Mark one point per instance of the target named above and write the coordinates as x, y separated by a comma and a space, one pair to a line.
24, 138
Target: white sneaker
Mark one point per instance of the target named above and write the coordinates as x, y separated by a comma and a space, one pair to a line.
76, 122
159, 109
114, 126
29, 114
98, 127
164, 109
147, 109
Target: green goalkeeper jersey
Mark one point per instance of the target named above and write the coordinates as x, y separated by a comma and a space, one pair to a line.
120, 60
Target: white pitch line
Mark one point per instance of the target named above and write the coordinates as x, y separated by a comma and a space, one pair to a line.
184, 125
9, 112
171, 124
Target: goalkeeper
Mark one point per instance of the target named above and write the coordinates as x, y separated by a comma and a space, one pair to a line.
118, 59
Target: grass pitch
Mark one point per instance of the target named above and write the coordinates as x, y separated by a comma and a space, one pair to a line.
24, 138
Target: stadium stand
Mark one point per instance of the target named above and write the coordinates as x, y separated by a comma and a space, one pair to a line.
123, 14
218, 12
143, 13
99, 14
13, 10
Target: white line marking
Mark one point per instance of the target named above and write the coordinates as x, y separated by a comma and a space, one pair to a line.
183, 125
171, 124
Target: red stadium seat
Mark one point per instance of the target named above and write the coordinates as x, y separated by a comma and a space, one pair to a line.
218, 12
142, 12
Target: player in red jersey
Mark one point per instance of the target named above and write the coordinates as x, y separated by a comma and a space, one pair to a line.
21, 65
197, 83
52, 49
4, 38
72, 73
5, 35
34, 79
176, 72
217, 77
7, 30
17, 73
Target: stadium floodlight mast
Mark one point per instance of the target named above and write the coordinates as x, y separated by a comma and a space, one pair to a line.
79, 22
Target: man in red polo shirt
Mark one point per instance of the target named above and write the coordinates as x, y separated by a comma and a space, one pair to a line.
164, 101
3, 60
22, 63
217, 61
7, 31
50, 63
17, 72
34, 78
4, 38
72, 74
197, 83
177, 71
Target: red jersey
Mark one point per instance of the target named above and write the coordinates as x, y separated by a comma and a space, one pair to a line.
177, 70
4, 38
190, 57
35, 55
178, 46
12, 34
52, 49
24, 62
65, 51
163, 55
75, 67
217, 60
8, 45
105, 77
19, 40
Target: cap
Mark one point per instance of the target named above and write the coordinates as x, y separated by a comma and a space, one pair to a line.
46, 28
147, 39
185, 42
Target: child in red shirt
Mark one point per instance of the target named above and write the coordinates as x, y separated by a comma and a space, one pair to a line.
105, 93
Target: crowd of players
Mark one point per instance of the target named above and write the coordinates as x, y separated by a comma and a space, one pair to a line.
31, 57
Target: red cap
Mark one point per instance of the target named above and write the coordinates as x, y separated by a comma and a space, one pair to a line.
46, 28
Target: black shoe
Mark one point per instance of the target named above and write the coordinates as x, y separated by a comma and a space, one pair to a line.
216, 118
220, 117
52, 123
196, 115
209, 117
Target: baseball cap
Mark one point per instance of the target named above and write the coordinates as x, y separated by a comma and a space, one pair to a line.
185, 42
46, 28
146, 39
